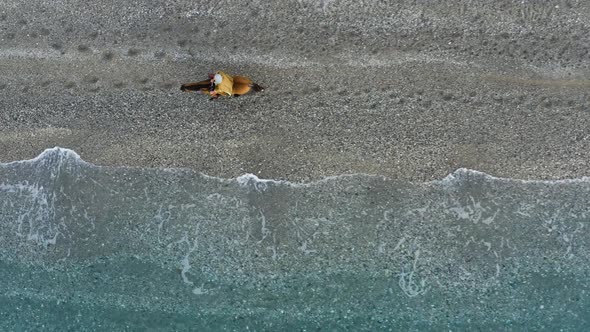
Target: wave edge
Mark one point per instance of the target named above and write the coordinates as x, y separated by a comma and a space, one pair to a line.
61, 155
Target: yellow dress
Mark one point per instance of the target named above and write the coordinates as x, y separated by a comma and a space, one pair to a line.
225, 85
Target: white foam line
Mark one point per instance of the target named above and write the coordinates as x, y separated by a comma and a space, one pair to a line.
461, 171
262, 184
246, 179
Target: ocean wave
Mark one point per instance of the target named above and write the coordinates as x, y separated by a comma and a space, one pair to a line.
58, 157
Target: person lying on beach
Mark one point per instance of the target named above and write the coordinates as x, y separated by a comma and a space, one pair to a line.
222, 84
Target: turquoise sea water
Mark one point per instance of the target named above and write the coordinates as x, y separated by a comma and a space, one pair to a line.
84, 247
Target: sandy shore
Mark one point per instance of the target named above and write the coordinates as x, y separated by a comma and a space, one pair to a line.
410, 91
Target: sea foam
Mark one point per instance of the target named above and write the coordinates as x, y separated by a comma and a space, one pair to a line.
57, 156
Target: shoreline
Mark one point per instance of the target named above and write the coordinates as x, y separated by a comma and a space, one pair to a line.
245, 178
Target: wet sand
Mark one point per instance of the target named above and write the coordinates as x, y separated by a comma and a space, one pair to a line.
410, 91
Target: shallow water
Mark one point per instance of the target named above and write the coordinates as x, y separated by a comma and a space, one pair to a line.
87, 247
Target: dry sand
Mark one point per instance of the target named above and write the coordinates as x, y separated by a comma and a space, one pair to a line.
411, 90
